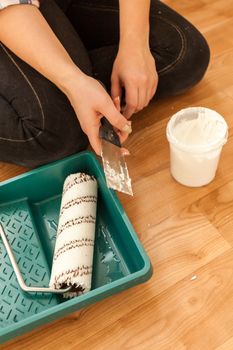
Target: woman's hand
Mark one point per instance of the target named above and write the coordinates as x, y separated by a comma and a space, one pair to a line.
90, 102
134, 69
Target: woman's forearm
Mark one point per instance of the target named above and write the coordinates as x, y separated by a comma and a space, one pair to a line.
25, 32
134, 22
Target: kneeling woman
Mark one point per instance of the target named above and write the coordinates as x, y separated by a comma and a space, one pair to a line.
55, 57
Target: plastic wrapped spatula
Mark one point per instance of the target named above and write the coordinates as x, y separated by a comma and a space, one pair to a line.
115, 167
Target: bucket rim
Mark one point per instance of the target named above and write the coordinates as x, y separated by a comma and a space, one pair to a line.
201, 148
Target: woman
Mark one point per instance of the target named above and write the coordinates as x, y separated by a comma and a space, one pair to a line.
55, 57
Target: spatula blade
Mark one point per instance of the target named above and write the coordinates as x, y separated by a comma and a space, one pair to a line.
115, 168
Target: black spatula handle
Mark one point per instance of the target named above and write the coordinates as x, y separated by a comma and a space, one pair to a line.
108, 133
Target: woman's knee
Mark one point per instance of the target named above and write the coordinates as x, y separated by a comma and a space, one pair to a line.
195, 60
49, 133
64, 139
180, 50
46, 149
190, 68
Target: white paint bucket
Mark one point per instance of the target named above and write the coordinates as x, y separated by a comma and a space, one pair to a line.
196, 136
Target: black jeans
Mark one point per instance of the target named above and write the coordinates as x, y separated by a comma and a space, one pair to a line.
37, 123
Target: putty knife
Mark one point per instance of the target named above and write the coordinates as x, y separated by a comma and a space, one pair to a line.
115, 167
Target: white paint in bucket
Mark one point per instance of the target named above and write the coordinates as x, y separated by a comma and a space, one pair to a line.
196, 136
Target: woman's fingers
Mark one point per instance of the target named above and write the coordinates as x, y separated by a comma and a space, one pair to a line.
115, 117
143, 98
117, 120
146, 93
122, 136
115, 87
93, 136
150, 94
116, 92
125, 152
138, 96
153, 90
131, 99
117, 103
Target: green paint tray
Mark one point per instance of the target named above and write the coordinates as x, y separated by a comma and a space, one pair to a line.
29, 210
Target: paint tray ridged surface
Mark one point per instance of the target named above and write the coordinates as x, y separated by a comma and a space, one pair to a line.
29, 211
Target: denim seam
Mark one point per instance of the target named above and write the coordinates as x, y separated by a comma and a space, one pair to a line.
182, 50
35, 94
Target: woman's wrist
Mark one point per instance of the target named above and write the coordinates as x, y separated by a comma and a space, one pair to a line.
134, 42
129, 47
70, 80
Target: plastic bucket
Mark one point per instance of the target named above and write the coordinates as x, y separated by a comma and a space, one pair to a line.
194, 164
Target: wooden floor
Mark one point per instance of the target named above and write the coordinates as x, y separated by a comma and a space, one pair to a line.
188, 233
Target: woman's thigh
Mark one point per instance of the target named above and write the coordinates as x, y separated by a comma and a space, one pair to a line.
180, 51
37, 122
